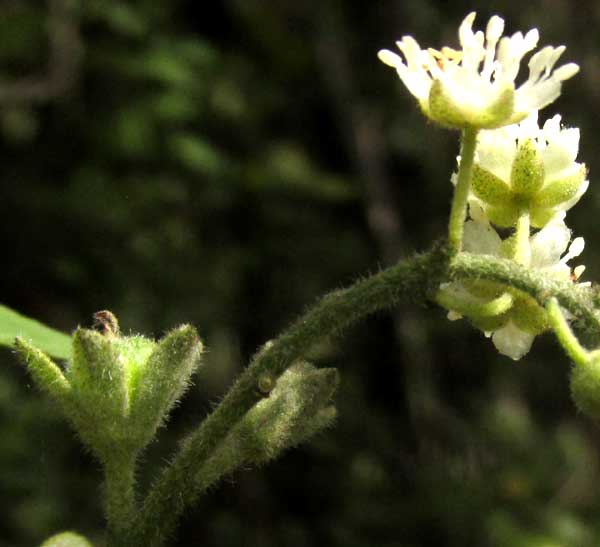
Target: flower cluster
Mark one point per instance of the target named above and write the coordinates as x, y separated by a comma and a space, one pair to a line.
518, 176
511, 318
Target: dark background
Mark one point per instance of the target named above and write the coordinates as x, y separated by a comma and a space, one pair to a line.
225, 164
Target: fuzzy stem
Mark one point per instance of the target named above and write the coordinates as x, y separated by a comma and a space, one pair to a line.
179, 485
120, 500
458, 212
415, 279
578, 354
522, 253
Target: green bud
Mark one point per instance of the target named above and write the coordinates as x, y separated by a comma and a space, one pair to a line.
443, 109
483, 288
503, 216
528, 315
585, 387
117, 390
298, 406
66, 539
489, 324
527, 172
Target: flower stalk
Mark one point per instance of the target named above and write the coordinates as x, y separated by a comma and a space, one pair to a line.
458, 211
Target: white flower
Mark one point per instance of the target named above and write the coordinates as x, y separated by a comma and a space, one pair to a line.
514, 336
475, 86
524, 165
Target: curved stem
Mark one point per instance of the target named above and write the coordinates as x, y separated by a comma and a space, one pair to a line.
564, 334
458, 212
416, 279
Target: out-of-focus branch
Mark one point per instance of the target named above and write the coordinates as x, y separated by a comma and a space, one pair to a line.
360, 127
65, 49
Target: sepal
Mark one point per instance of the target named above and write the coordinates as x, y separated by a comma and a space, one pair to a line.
559, 191
489, 188
446, 110
45, 373
161, 381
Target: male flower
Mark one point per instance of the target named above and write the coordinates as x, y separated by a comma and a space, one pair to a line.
474, 87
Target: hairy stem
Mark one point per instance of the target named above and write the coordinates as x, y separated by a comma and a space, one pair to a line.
564, 334
181, 482
120, 500
458, 212
416, 279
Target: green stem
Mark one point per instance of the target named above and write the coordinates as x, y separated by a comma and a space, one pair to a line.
522, 253
458, 212
415, 279
120, 500
578, 354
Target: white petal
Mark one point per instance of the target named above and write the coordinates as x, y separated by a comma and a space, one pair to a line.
566, 71
578, 271
389, 58
561, 152
481, 238
496, 151
549, 244
512, 341
575, 249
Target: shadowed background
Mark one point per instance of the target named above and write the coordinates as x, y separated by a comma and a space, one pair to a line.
227, 164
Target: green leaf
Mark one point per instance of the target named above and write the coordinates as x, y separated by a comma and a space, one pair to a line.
13, 324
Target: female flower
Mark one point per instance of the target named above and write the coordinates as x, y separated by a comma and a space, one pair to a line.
475, 86
510, 317
527, 168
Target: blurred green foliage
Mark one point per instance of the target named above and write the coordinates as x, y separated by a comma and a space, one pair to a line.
225, 165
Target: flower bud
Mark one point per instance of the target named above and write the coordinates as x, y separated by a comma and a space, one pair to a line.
117, 390
66, 539
585, 386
